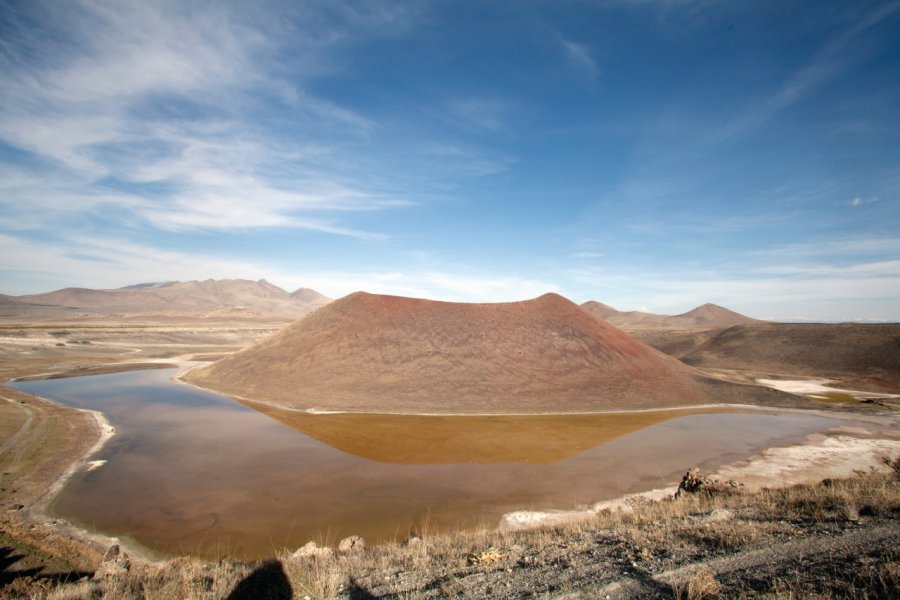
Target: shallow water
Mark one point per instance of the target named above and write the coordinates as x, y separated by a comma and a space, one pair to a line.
190, 471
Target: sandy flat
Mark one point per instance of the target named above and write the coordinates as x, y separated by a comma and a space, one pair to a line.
816, 386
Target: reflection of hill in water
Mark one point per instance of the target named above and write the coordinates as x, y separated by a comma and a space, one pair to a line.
416, 439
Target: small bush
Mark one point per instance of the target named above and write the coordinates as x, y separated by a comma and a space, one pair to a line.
894, 464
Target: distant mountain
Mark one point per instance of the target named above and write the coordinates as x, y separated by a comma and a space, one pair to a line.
707, 316
310, 297
9, 301
376, 353
140, 286
598, 308
240, 296
714, 316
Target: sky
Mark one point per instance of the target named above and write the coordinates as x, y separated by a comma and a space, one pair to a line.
648, 154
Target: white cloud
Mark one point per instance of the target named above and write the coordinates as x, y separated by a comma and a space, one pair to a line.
849, 248
108, 263
819, 296
860, 201
486, 114
874, 269
580, 55
832, 59
432, 284
88, 108
111, 263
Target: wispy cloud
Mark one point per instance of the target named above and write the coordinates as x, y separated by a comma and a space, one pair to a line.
160, 111
834, 58
115, 262
108, 262
850, 248
486, 114
815, 294
580, 56
459, 286
861, 201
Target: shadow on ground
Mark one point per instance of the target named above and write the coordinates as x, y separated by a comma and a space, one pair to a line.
8, 574
266, 582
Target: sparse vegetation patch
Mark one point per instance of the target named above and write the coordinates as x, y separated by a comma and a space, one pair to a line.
834, 539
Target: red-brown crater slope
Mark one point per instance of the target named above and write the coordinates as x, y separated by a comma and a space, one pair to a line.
375, 353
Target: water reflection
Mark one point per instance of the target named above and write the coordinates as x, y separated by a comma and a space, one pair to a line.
424, 440
193, 472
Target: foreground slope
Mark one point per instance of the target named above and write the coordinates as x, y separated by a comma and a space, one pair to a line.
706, 316
389, 354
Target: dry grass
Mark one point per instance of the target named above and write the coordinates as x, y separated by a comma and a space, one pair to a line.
867, 494
695, 525
701, 585
875, 581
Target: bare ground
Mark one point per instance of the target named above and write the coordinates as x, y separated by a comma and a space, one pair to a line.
863, 356
834, 540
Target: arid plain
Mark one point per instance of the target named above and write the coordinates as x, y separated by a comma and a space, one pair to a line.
412, 359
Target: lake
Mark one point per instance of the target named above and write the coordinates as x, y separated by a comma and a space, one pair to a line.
193, 472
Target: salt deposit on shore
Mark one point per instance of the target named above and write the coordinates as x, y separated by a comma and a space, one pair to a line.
819, 457
816, 386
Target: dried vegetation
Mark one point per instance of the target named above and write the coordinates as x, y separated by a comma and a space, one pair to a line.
836, 539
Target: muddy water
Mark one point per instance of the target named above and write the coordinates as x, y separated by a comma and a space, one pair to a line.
190, 471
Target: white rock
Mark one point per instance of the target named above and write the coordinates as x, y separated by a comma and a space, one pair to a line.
312, 550
354, 543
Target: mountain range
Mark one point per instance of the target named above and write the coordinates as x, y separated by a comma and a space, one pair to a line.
235, 296
706, 316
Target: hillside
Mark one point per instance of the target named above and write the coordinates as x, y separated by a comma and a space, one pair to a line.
195, 297
707, 316
376, 353
10, 303
849, 349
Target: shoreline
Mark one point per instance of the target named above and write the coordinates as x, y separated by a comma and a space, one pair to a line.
826, 410
179, 378
39, 509
106, 432
823, 455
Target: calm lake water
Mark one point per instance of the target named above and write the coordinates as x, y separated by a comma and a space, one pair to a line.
191, 471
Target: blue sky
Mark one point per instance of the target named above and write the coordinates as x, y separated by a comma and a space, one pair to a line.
648, 154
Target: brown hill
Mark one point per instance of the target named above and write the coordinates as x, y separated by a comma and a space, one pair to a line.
849, 349
13, 306
199, 297
707, 316
309, 297
713, 316
605, 311
375, 353
9, 301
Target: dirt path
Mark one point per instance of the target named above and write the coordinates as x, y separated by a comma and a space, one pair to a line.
13, 440
771, 562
